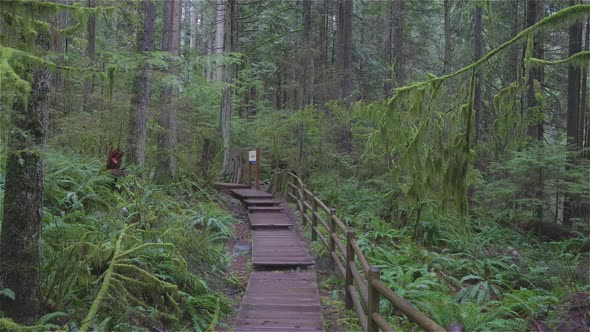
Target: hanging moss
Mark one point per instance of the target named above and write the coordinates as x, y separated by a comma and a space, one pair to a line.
431, 147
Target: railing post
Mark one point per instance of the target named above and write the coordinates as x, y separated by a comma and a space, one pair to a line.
295, 186
349, 260
314, 218
303, 207
373, 305
332, 231
298, 194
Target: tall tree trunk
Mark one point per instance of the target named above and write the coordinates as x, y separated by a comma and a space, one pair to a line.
572, 207
448, 58
399, 41
345, 48
343, 58
228, 74
193, 18
511, 71
322, 62
90, 47
166, 170
23, 198
307, 56
584, 105
478, 52
210, 40
387, 86
535, 130
219, 35
137, 131
533, 15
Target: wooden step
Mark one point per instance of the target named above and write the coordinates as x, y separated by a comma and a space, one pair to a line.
278, 247
261, 201
265, 208
229, 186
269, 220
281, 301
250, 193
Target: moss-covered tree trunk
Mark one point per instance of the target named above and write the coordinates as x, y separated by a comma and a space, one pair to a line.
166, 170
228, 74
23, 199
90, 48
572, 205
478, 53
137, 131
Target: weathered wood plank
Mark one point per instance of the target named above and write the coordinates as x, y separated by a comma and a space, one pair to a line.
229, 186
262, 201
278, 248
250, 193
293, 306
265, 209
264, 220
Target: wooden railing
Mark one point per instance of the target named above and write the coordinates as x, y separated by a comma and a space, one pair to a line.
363, 285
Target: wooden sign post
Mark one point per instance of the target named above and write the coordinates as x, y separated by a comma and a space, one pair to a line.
254, 158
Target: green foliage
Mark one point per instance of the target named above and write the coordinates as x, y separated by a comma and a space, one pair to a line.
508, 194
140, 255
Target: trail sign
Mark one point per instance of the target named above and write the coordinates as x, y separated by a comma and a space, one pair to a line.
252, 156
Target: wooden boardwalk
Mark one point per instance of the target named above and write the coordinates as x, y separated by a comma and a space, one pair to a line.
269, 220
278, 247
277, 301
281, 301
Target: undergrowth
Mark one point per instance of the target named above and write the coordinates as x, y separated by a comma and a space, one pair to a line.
486, 276
127, 254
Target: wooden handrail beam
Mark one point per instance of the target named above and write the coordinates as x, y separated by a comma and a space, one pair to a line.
358, 308
405, 307
382, 323
361, 256
339, 223
362, 284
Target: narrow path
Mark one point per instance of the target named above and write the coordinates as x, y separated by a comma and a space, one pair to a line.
282, 300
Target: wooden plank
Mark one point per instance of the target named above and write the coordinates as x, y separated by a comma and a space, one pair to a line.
250, 193
229, 186
269, 220
264, 209
262, 201
281, 301
278, 248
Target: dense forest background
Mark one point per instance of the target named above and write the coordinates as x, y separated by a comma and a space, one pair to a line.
453, 135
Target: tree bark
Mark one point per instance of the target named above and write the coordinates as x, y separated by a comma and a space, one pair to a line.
307, 56
228, 73
166, 141
219, 35
193, 18
322, 62
535, 130
448, 57
90, 50
344, 56
573, 87
387, 86
137, 131
399, 26
343, 59
23, 198
572, 205
534, 14
478, 52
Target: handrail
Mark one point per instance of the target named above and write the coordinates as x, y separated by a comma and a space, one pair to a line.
365, 300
